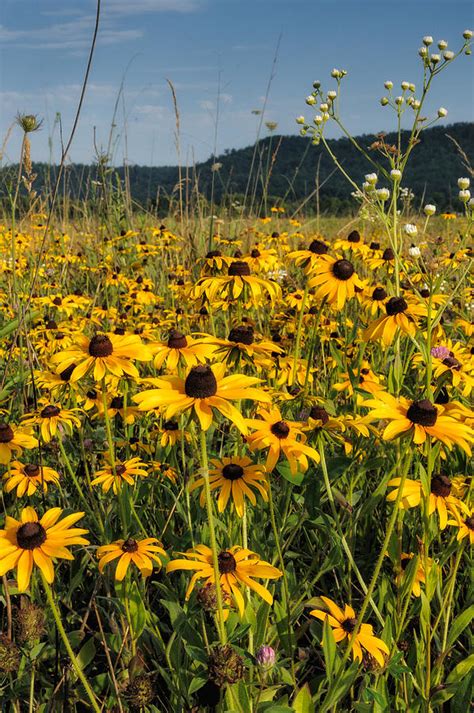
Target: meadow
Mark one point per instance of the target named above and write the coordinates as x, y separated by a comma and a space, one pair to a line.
236, 449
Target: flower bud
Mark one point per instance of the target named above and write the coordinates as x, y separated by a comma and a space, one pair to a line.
303, 132
384, 101
411, 87
411, 230
405, 85
318, 119
429, 209
399, 101
310, 100
331, 95
464, 196
435, 58
371, 178
266, 657
463, 183
326, 116
416, 104
388, 85
413, 251
316, 84
448, 55
383, 194
335, 73
467, 34
442, 112
395, 174
423, 52
442, 44
324, 107
300, 120
428, 40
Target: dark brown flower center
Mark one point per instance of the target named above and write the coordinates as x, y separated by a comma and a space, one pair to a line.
31, 470
349, 625
226, 562
30, 535
49, 411
423, 412
343, 269
240, 268
395, 305
232, 471
425, 293
388, 254
441, 485
255, 253
213, 253
452, 363
100, 346
318, 247
177, 340
91, 394
6, 433
469, 522
117, 402
374, 245
200, 382
280, 429
130, 545
379, 294
242, 334
354, 237
319, 414
57, 301
170, 426
120, 469
65, 375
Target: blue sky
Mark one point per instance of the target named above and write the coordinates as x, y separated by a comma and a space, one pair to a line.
206, 47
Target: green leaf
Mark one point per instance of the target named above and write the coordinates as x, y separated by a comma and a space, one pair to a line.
196, 684
459, 624
87, 653
285, 472
461, 670
137, 610
329, 648
303, 702
344, 683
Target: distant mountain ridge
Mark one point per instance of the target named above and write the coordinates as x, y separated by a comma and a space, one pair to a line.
432, 172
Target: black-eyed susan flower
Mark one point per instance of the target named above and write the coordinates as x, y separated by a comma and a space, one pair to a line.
441, 499
103, 354
180, 348
28, 478
51, 419
308, 257
335, 279
465, 525
420, 575
242, 344
117, 407
343, 624
237, 567
114, 477
205, 388
142, 553
13, 439
31, 541
239, 283
400, 315
235, 479
171, 433
365, 380
419, 419
280, 436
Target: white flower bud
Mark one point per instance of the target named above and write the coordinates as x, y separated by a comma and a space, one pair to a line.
318, 119
471, 203
388, 85
428, 40
429, 209
383, 194
416, 104
310, 100
412, 87
316, 84
371, 178
464, 196
467, 34
463, 183
423, 52
442, 112
405, 85
324, 107
448, 55
395, 174
326, 116
399, 101
410, 229
442, 44
413, 251
384, 101
410, 101
435, 58
331, 95
300, 120
367, 186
